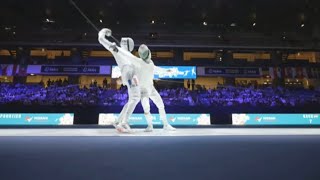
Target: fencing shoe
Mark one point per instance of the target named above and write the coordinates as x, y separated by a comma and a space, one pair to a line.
149, 129
168, 127
126, 128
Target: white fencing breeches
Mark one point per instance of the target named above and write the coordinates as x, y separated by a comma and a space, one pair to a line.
128, 108
153, 94
133, 93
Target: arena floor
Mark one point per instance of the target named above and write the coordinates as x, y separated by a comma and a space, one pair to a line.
159, 132
201, 153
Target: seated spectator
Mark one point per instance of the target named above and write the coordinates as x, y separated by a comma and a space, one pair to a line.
65, 94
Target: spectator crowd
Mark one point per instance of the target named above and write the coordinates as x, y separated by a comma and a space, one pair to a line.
62, 93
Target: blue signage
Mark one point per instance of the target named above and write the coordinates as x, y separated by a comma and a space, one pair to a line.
70, 69
276, 119
36, 119
174, 119
247, 72
168, 72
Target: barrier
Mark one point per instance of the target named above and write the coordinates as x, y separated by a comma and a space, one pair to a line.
275, 119
176, 72
173, 119
36, 119
68, 69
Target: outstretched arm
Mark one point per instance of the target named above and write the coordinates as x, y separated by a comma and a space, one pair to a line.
110, 46
159, 70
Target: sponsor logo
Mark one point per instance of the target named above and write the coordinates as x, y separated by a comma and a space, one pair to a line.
10, 116
40, 118
266, 118
172, 119
269, 118
258, 118
51, 69
29, 119
310, 116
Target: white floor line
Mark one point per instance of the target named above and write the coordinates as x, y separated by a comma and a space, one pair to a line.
160, 132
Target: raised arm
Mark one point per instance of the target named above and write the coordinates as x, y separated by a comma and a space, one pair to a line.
110, 46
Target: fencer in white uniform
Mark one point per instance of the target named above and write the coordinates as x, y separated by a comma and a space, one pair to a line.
129, 77
146, 76
145, 71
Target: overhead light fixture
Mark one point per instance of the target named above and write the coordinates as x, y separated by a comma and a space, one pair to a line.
49, 20
153, 21
153, 35
205, 23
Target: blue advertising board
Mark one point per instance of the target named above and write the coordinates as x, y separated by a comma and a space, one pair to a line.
275, 119
174, 119
232, 71
68, 69
71, 69
229, 71
36, 119
176, 72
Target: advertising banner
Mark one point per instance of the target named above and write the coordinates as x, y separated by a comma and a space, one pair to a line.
229, 72
36, 119
61, 69
70, 69
275, 119
173, 119
174, 72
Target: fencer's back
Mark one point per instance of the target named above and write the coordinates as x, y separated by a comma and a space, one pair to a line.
145, 74
122, 57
